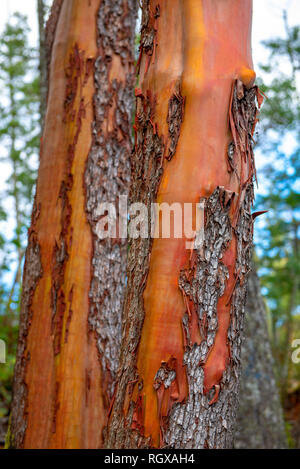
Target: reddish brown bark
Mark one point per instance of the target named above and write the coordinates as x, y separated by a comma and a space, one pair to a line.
59, 400
195, 117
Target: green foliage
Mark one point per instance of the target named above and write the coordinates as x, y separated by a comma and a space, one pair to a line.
19, 142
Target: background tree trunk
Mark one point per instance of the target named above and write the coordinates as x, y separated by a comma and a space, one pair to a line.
43, 66
260, 421
73, 280
183, 315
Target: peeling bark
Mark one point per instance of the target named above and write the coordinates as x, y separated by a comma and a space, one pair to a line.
180, 363
64, 378
49, 38
107, 176
146, 176
175, 118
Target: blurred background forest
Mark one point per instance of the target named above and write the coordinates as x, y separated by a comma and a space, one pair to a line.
277, 231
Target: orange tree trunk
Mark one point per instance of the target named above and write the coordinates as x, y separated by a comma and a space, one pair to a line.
71, 307
195, 116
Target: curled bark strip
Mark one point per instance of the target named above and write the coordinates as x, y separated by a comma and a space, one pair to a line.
107, 176
242, 118
215, 398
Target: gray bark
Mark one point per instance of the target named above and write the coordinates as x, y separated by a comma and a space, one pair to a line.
107, 178
260, 423
106, 175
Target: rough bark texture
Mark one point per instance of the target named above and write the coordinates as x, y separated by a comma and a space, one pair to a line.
32, 274
72, 279
180, 358
50, 30
260, 421
207, 417
43, 66
292, 415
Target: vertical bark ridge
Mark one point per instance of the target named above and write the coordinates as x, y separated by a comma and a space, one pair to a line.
107, 176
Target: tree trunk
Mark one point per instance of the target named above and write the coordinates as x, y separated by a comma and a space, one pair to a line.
196, 112
73, 280
260, 421
43, 66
